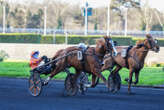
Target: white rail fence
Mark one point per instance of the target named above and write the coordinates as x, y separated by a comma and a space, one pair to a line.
81, 32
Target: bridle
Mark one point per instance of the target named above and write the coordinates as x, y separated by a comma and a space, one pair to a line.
146, 47
109, 50
150, 43
107, 46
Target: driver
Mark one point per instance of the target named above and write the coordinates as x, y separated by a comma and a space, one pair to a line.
35, 59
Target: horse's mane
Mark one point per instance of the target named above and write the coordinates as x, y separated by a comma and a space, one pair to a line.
100, 40
139, 43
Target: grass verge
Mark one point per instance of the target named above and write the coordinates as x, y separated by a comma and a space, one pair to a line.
148, 76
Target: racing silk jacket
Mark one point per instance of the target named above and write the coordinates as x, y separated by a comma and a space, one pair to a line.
34, 62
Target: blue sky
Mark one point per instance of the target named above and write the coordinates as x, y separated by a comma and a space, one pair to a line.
159, 4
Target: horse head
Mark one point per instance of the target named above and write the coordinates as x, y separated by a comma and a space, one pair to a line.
110, 45
106, 45
151, 43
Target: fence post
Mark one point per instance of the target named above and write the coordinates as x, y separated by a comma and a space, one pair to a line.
108, 18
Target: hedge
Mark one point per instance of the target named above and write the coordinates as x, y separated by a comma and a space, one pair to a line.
72, 39
19, 38
59, 39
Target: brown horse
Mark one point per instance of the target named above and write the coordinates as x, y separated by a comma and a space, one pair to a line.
93, 57
134, 59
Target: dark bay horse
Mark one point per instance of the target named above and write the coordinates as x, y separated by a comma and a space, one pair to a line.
92, 59
134, 61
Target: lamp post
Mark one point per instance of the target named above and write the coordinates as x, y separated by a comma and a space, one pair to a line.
4, 18
45, 20
86, 19
108, 18
126, 21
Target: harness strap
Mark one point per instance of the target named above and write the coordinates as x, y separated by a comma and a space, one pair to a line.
96, 57
84, 57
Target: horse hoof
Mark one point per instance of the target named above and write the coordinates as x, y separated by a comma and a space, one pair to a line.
114, 92
44, 83
127, 79
111, 90
88, 85
135, 83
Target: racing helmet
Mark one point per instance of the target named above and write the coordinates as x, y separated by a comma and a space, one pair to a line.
35, 54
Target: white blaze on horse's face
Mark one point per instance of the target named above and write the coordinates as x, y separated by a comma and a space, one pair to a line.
114, 49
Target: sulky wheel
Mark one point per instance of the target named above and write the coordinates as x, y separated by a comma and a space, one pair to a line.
35, 84
71, 88
114, 82
82, 81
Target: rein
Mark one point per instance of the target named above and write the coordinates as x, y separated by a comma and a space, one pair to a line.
59, 58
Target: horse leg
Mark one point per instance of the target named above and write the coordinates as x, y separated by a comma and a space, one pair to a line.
93, 81
136, 77
55, 72
115, 71
112, 79
130, 80
98, 74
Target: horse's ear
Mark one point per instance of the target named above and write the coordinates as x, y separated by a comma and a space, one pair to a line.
148, 36
107, 37
99, 40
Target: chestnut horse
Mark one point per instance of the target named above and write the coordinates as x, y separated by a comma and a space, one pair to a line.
134, 61
93, 57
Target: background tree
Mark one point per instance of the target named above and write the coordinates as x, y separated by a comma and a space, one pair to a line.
35, 20
117, 7
61, 15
